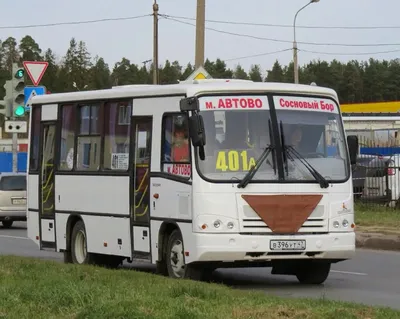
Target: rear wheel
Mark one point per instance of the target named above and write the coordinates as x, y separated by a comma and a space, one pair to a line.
79, 252
313, 273
7, 223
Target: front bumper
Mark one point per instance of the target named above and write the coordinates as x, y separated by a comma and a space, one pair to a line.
236, 247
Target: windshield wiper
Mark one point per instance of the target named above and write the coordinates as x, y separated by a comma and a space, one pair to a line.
323, 183
318, 177
263, 157
250, 174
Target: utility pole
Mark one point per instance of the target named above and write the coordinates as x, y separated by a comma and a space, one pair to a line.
200, 32
155, 43
295, 49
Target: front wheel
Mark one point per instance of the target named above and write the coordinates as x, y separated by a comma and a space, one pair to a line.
313, 273
175, 259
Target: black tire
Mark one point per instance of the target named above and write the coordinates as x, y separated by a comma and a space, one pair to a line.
7, 223
78, 230
313, 273
188, 271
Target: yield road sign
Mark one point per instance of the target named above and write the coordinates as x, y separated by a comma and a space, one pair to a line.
35, 70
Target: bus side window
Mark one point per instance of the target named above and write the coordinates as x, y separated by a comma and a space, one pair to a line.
175, 145
117, 135
89, 138
68, 114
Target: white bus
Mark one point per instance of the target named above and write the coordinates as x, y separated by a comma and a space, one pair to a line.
193, 177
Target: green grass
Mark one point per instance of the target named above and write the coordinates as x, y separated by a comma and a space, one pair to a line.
31, 288
379, 216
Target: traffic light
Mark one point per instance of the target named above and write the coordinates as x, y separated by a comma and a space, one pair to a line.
18, 86
8, 106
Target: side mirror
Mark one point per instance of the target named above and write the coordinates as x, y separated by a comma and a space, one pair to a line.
196, 130
352, 142
189, 104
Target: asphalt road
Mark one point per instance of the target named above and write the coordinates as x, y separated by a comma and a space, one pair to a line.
372, 277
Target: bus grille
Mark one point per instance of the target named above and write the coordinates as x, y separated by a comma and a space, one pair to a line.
316, 223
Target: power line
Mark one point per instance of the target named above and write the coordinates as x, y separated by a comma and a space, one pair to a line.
351, 53
285, 41
257, 55
309, 51
73, 22
289, 25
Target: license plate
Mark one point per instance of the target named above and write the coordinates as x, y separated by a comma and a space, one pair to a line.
19, 201
287, 244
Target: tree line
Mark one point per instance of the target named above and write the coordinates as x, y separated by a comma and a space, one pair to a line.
355, 81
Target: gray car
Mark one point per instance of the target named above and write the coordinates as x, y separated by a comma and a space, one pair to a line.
12, 198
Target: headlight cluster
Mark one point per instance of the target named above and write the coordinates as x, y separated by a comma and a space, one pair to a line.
342, 223
215, 224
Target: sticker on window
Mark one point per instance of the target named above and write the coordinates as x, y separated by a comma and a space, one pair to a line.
305, 104
239, 103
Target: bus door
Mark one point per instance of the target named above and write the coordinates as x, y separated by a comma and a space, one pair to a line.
140, 183
46, 186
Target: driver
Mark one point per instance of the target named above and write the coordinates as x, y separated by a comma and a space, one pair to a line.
296, 137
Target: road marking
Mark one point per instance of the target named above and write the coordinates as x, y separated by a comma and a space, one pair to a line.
350, 273
15, 237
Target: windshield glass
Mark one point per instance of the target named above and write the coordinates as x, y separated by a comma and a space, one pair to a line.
237, 129
312, 126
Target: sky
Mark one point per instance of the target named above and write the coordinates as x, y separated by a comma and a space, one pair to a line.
133, 39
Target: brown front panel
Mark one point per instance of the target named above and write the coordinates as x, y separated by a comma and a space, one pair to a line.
284, 214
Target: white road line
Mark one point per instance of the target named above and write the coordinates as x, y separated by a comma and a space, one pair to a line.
350, 273
15, 237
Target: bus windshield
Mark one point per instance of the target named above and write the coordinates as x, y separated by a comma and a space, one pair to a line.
312, 129
239, 128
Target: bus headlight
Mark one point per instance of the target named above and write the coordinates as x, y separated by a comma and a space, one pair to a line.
214, 224
342, 223
336, 224
217, 223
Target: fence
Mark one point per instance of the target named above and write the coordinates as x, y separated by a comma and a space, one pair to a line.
376, 176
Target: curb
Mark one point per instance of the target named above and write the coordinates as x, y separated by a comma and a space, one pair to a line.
378, 241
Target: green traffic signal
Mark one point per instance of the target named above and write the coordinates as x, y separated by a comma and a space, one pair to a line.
20, 74
19, 111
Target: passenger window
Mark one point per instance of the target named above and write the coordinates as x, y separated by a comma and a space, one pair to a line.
68, 113
117, 135
35, 135
89, 138
175, 145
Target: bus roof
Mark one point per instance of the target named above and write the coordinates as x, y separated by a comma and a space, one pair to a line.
183, 88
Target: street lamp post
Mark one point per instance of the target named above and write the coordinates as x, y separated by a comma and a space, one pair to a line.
295, 62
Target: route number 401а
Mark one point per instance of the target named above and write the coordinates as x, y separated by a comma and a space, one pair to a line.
234, 161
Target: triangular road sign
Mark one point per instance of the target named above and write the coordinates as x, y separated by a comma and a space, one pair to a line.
35, 70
